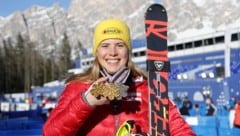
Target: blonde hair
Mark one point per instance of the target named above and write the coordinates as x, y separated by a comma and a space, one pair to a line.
93, 73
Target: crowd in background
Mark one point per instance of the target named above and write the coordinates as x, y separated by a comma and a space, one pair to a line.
187, 108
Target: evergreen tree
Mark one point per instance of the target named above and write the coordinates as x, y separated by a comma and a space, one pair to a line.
65, 57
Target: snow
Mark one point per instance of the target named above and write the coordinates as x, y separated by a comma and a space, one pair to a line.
54, 83
199, 3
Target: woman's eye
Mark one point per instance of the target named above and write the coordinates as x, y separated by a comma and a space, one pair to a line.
120, 45
104, 45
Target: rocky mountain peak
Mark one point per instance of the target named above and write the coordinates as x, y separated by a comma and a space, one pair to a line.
47, 24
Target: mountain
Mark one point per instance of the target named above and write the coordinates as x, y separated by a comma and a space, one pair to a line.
46, 25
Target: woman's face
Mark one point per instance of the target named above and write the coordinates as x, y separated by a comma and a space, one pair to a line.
112, 55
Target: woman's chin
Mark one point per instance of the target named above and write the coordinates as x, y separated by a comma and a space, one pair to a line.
112, 71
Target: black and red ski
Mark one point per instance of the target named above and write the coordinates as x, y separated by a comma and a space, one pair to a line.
158, 67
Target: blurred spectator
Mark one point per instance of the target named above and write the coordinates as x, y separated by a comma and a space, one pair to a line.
211, 109
196, 111
49, 111
232, 102
46, 114
178, 101
184, 109
237, 115
45, 100
231, 116
186, 106
187, 102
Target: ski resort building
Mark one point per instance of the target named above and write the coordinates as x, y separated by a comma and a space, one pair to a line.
206, 65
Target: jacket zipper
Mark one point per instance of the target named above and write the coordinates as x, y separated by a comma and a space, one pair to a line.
116, 123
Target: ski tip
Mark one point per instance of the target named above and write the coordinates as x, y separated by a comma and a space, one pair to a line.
156, 6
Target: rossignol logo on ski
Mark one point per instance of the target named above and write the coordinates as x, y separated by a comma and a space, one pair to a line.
159, 65
156, 28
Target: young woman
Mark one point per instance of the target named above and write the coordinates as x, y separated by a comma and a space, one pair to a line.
79, 112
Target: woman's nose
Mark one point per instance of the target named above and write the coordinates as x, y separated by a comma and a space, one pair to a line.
113, 50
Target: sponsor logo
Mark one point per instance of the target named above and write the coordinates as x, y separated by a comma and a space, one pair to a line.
112, 30
159, 65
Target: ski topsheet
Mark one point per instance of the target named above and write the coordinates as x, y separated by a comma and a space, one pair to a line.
158, 67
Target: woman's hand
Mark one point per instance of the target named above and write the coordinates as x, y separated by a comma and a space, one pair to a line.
92, 100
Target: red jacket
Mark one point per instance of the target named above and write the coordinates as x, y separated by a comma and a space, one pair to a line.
237, 115
73, 116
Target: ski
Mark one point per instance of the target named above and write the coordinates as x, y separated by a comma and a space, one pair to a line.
158, 67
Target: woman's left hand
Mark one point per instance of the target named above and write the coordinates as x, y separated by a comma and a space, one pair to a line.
92, 100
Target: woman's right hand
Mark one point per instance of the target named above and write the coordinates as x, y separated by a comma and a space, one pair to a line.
92, 100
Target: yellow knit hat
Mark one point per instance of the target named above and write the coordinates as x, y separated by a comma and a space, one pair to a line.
111, 28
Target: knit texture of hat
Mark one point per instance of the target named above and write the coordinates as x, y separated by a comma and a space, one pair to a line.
111, 29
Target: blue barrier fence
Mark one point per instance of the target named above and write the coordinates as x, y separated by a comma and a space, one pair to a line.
19, 114
30, 132
202, 126
23, 126
212, 126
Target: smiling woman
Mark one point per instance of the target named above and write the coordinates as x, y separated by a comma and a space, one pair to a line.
110, 94
8, 7
112, 54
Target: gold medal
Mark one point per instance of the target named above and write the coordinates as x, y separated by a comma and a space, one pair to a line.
111, 91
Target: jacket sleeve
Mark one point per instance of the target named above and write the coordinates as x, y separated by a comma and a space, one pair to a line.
69, 114
177, 125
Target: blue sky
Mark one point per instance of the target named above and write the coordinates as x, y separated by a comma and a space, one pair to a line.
9, 6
